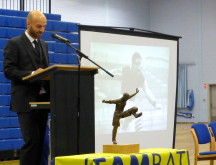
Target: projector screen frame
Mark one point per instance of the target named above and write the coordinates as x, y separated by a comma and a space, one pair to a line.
127, 31
139, 33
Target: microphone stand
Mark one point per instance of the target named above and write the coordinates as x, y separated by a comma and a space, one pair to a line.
78, 104
79, 57
86, 57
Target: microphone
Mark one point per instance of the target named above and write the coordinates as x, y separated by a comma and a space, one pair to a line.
62, 39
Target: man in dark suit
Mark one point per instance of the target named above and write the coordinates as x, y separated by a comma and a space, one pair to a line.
25, 55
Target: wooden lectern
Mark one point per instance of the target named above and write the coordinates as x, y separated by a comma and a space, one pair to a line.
66, 123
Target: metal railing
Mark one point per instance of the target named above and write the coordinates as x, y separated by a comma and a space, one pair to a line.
27, 5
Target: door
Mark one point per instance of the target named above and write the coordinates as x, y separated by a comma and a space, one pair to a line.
212, 99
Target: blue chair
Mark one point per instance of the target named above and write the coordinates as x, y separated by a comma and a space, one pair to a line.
201, 135
212, 129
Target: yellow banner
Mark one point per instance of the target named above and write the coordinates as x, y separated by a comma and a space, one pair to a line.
145, 157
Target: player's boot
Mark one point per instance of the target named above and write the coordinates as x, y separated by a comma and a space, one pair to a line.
136, 115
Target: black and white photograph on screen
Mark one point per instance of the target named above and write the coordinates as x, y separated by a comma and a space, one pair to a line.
142, 67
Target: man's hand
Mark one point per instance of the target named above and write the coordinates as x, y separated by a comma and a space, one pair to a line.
103, 101
38, 70
137, 90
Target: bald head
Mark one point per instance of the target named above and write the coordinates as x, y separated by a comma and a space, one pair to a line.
36, 23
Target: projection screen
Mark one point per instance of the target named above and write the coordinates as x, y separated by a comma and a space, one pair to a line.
141, 60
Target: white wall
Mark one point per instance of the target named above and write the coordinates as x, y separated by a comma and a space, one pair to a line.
209, 41
123, 13
183, 18
194, 20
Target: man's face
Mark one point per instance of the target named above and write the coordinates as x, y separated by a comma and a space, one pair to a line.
137, 64
36, 27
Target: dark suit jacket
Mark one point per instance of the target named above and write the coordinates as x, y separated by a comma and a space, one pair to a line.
19, 61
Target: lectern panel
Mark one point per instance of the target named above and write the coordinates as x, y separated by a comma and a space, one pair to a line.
72, 132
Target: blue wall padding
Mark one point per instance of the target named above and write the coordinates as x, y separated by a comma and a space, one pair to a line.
8, 21
3, 79
74, 38
11, 144
6, 32
13, 32
63, 58
3, 42
1, 55
20, 22
10, 133
19, 13
61, 48
5, 100
72, 59
9, 122
6, 112
1, 67
12, 24
5, 89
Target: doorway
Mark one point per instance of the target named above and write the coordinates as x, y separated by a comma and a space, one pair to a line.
212, 102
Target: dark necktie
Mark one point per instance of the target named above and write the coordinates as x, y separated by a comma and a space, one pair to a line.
37, 47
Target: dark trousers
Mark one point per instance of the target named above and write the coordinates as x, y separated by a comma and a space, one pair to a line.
33, 126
